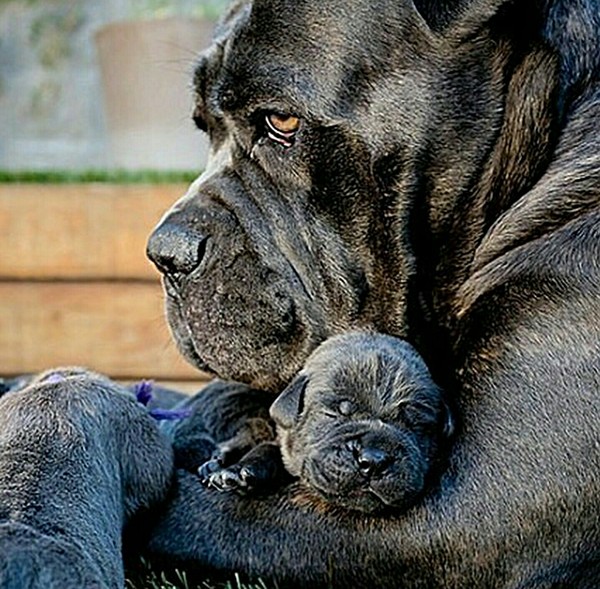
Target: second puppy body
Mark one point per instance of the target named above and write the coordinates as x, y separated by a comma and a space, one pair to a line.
78, 457
363, 425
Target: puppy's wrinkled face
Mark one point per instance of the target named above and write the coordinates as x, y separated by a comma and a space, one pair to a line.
364, 423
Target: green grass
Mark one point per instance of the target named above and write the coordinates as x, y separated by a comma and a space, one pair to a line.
103, 176
147, 578
161, 582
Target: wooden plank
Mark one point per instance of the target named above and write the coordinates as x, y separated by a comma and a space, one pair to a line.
118, 329
189, 387
82, 230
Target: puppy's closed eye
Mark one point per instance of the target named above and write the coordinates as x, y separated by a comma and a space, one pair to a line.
346, 408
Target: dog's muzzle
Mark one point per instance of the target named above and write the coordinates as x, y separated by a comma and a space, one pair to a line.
176, 250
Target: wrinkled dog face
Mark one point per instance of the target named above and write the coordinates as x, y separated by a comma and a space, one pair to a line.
298, 229
281, 243
363, 424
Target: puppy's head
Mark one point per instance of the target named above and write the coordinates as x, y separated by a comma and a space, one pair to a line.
363, 423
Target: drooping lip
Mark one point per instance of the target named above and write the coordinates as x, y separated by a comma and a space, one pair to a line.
318, 480
302, 333
185, 340
379, 497
364, 493
192, 355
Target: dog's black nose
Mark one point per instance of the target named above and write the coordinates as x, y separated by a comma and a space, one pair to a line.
175, 249
371, 460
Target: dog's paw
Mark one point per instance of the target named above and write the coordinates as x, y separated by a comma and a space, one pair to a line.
237, 478
259, 472
208, 469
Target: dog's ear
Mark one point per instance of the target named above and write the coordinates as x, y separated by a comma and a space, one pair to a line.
438, 14
287, 408
464, 19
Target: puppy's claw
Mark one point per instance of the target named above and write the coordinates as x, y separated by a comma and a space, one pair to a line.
247, 476
228, 480
208, 470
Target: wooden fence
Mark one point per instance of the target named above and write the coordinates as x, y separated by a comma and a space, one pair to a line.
76, 287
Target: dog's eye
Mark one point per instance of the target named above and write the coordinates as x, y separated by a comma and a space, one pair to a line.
346, 408
282, 128
285, 124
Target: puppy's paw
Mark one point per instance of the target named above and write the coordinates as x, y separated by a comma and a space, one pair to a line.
259, 472
237, 478
209, 469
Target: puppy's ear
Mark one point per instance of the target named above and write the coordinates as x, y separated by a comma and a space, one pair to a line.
287, 408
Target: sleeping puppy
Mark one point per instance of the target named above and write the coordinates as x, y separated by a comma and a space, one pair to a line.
78, 457
363, 425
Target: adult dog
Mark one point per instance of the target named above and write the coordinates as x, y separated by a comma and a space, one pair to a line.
430, 170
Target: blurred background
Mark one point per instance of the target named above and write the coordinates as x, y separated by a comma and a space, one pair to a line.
96, 142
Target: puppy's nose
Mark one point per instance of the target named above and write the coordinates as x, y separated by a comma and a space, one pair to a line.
372, 461
175, 249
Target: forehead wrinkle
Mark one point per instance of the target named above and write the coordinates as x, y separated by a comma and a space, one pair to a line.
385, 382
301, 238
287, 232
359, 379
409, 382
399, 377
243, 90
259, 71
287, 228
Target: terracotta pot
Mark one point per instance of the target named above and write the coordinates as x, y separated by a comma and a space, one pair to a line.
146, 74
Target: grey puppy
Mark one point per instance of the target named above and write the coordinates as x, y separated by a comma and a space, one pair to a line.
363, 425
78, 457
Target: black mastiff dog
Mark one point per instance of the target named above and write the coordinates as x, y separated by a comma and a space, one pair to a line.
428, 169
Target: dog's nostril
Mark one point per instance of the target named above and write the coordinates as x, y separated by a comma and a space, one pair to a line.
175, 249
372, 461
